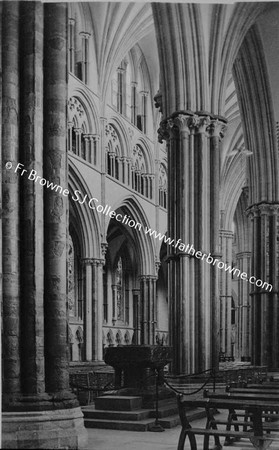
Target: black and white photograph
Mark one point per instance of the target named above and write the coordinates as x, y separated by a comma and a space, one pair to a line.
139, 233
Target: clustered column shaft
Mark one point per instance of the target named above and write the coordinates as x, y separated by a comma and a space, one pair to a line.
264, 304
10, 183
32, 263
55, 213
193, 218
34, 222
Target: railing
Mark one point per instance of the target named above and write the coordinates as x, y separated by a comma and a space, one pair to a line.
91, 384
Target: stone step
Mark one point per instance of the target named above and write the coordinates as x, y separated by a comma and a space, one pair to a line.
118, 403
138, 425
128, 425
164, 410
174, 420
137, 420
135, 415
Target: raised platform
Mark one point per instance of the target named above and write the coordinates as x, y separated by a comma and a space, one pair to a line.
127, 413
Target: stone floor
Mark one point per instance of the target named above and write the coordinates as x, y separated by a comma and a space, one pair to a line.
167, 440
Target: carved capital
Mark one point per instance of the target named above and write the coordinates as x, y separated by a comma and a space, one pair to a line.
157, 267
243, 255
263, 209
201, 123
78, 130
84, 34
216, 128
252, 212
144, 93
104, 247
87, 261
183, 123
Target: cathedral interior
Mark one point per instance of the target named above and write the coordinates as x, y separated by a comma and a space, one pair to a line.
130, 133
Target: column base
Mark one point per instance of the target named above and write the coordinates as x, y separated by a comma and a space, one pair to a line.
60, 428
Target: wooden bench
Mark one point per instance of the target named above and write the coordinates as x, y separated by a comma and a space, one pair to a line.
92, 383
264, 385
259, 434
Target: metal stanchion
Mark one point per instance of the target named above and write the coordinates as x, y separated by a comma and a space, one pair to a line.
157, 427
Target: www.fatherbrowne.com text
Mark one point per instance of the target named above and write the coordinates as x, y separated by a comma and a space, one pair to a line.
93, 203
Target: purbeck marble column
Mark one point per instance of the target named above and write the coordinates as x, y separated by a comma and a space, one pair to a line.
10, 218
34, 278
225, 278
55, 212
193, 208
32, 239
264, 302
244, 315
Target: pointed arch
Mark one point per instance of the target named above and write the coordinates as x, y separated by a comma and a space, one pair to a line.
86, 219
144, 245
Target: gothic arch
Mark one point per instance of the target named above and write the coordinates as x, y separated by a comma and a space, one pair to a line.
148, 153
144, 244
252, 83
122, 134
89, 108
86, 219
233, 181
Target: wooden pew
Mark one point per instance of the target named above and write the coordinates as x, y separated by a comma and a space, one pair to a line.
255, 390
258, 433
267, 385
269, 414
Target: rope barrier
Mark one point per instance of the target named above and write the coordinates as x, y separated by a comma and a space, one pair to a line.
190, 375
188, 393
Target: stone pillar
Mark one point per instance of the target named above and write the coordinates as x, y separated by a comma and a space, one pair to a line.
216, 129
55, 212
144, 95
1, 174
32, 238
95, 152
85, 50
147, 309
71, 45
193, 208
10, 217
181, 311
36, 397
136, 316
119, 162
70, 128
97, 309
264, 302
129, 172
226, 238
87, 263
244, 315
87, 143
134, 102
78, 132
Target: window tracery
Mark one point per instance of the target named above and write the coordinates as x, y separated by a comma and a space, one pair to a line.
80, 141
142, 181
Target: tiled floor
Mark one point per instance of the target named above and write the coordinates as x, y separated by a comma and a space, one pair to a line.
167, 440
